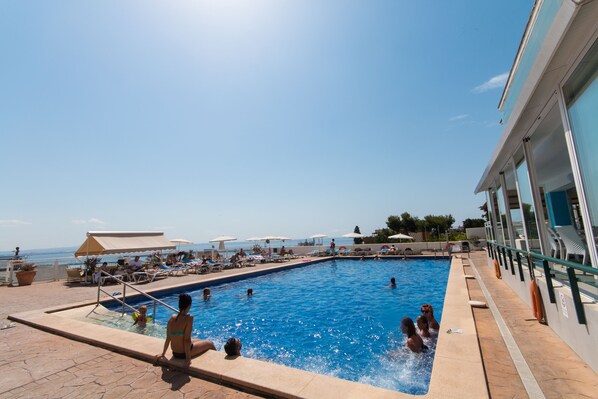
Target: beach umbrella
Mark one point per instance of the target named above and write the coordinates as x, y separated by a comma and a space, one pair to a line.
320, 238
180, 241
221, 240
401, 237
353, 235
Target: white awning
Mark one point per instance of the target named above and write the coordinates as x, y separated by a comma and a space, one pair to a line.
116, 242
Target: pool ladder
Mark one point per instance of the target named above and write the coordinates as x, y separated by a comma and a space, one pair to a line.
123, 298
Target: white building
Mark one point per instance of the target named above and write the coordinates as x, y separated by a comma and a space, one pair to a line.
541, 183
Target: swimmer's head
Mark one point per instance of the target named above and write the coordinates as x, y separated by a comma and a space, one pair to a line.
142, 309
233, 347
206, 293
407, 326
249, 291
393, 281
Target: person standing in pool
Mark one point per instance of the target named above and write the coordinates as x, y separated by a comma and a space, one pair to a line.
178, 335
422, 325
332, 247
428, 313
414, 341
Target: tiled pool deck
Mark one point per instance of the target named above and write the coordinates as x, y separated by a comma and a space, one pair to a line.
37, 364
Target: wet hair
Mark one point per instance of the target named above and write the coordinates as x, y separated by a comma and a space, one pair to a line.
424, 320
392, 280
233, 347
407, 322
184, 301
142, 307
249, 291
207, 293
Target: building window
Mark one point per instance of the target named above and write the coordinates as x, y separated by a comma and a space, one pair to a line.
581, 98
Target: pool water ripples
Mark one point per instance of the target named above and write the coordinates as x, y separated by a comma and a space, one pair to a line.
337, 318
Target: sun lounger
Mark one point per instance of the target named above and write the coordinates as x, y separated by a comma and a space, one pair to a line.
74, 275
148, 276
574, 245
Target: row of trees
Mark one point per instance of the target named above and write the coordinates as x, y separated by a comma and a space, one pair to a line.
432, 227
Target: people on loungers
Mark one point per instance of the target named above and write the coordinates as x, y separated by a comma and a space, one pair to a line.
428, 312
178, 335
95, 277
422, 325
414, 341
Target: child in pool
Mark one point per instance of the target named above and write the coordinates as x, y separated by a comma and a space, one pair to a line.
141, 319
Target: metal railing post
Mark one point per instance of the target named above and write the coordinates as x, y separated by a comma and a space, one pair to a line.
518, 256
124, 298
504, 256
154, 316
511, 262
549, 281
581, 315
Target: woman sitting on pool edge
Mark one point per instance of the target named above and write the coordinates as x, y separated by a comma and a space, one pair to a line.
178, 335
414, 341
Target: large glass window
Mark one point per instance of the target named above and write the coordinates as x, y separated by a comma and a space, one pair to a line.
489, 231
513, 203
502, 225
581, 96
527, 202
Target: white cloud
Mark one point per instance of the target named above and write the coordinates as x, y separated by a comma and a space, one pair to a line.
89, 221
458, 117
495, 82
13, 222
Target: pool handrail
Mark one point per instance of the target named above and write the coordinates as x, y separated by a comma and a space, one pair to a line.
499, 252
124, 295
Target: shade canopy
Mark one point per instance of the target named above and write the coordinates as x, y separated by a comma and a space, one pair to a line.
116, 242
353, 235
181, 241
319, 236
401, 237
222, 239
254, 239
275, 238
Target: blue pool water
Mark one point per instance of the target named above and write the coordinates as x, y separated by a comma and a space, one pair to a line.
337, 318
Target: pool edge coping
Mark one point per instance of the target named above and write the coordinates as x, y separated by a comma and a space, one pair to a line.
457, 370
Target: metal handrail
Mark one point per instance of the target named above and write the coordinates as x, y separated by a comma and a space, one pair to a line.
124, 294
499, 252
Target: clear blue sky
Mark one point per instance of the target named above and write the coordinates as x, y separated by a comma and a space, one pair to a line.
244, 118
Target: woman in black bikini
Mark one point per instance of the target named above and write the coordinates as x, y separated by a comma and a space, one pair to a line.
178, 335
414, 341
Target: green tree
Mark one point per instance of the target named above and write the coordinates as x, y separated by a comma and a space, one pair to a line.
357, 240
409, 223
439, 224
468, 223
394, 223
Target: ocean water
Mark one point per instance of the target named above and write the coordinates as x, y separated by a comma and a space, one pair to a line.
64, 255
337, 318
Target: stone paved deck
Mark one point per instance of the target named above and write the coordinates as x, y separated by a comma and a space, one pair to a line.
557, 368
35, 364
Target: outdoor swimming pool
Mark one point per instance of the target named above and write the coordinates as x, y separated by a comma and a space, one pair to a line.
337, 318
